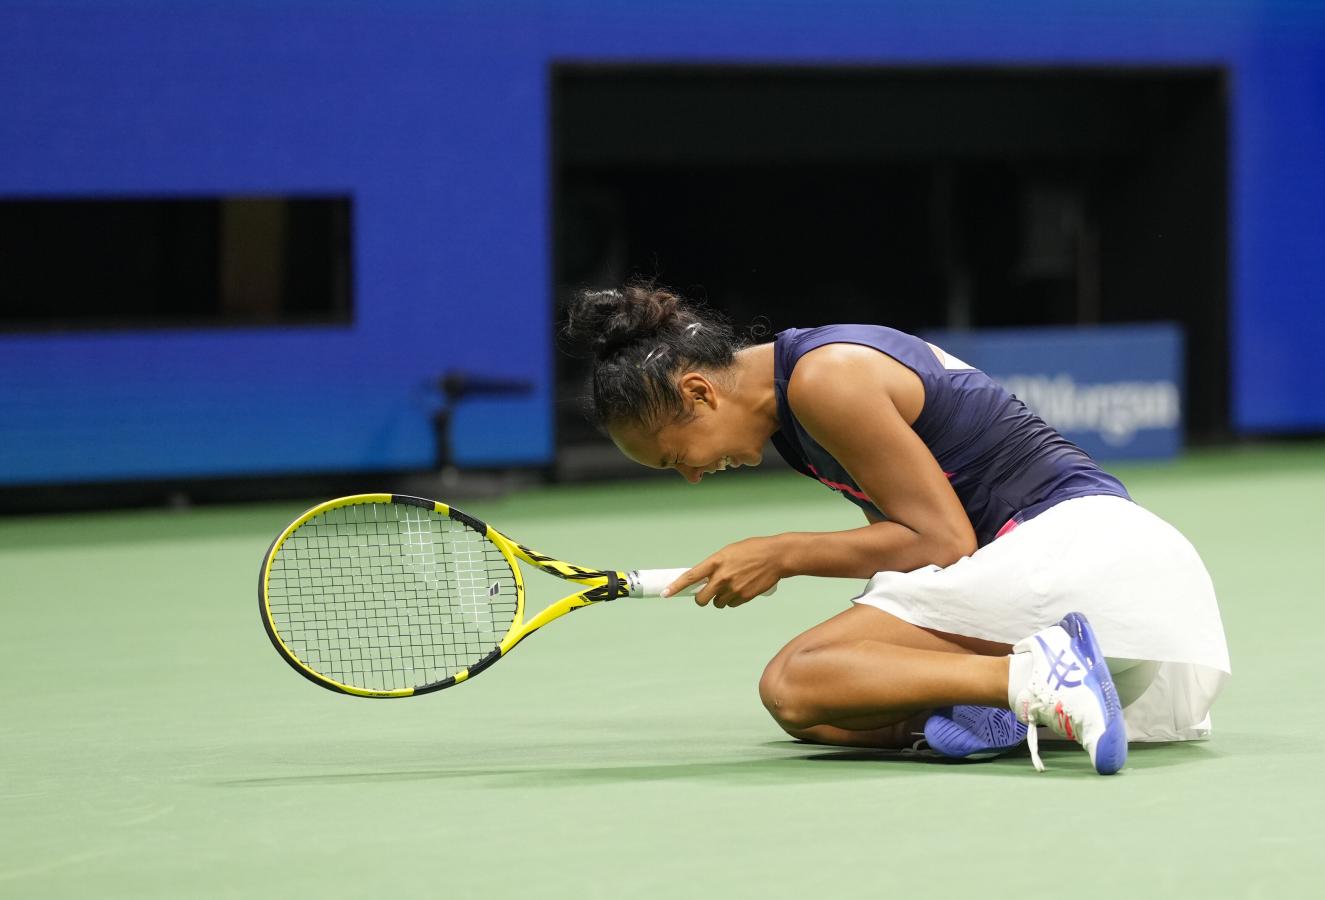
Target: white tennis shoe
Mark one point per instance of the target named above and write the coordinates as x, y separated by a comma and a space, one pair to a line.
1071, 692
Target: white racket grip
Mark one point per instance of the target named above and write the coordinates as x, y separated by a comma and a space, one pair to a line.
650, 583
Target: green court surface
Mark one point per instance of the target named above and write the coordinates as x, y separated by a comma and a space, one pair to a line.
152, 744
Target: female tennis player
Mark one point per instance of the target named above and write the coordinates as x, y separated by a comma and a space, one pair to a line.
1004, 565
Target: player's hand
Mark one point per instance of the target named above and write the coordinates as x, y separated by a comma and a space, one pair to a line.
735, 574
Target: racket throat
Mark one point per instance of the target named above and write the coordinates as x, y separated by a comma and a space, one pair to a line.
615, 588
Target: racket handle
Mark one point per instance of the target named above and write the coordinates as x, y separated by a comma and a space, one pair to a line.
650, 583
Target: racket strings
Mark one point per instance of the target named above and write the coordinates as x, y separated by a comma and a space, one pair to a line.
386, 596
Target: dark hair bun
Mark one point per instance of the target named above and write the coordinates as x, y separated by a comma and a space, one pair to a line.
639, 336
611, 320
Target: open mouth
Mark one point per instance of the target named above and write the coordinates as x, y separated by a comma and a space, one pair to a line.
726, 463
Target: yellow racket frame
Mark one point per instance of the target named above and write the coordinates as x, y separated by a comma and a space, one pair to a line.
600, 586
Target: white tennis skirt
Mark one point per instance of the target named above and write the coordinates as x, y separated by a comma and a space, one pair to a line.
1135, 577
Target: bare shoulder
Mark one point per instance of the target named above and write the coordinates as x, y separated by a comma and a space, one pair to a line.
845, 379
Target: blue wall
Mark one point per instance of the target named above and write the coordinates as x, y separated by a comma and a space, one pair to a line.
434, 117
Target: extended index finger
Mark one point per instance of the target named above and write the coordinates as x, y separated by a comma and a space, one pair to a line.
690, 577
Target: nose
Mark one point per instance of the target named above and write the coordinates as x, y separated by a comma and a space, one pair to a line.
690, 473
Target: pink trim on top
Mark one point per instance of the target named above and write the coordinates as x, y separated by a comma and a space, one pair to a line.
859, 495
1009, 525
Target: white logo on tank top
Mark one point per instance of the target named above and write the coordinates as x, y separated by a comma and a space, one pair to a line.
947, 359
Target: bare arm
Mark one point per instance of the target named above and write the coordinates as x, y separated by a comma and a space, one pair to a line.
859, 404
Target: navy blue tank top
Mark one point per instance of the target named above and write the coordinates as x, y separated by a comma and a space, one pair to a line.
1004, 462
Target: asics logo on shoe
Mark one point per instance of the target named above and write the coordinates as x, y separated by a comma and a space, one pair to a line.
1060, 669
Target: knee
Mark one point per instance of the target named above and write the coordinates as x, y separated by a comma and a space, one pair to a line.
787, 692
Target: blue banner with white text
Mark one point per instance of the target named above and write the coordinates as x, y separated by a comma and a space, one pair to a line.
1115, 391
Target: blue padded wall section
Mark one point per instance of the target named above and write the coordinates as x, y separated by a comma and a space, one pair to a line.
433, 117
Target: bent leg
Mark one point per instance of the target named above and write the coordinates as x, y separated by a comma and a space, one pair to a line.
890, 737
867, 684
860, 677
872, 623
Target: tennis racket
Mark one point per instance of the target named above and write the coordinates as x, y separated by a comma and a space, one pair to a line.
385, 595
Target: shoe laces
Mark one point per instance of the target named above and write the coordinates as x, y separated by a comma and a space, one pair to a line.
1033, 733
1058, 722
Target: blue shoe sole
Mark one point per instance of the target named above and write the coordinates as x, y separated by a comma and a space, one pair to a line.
1111, 751
973, 732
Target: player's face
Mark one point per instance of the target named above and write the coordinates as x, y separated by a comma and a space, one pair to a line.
713, 438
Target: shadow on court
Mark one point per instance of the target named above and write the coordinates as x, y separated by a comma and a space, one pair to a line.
848, 764
1055, 754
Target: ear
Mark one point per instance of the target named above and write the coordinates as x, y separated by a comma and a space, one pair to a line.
696, 388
